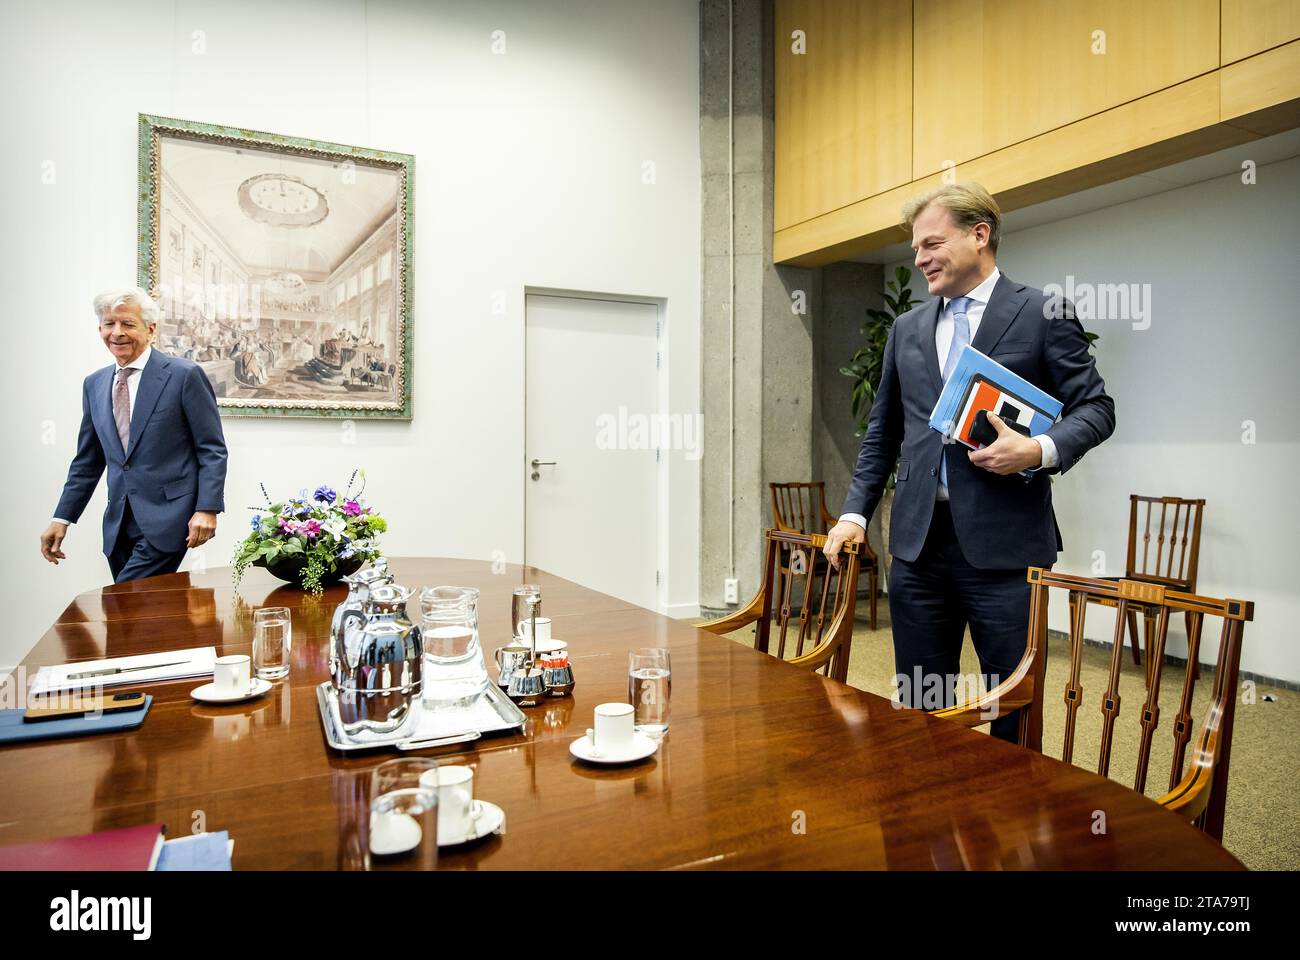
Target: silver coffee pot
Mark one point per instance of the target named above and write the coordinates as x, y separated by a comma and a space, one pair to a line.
359, 585
378, 673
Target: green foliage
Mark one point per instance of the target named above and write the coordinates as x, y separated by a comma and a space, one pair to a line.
867, 362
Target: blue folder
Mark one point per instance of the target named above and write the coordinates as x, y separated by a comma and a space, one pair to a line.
13, 730
976, 376
971, 362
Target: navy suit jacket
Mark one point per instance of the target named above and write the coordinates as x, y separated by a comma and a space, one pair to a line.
1002, 522
175, 461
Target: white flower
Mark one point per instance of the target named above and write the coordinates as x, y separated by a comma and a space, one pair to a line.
334, 527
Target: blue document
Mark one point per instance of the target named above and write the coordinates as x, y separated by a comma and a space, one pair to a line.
946, 416
202, 851
979, 383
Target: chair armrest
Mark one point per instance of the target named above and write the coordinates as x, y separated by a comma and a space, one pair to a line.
998, 702
815, 658
740, 618
1192, 794
1013, 693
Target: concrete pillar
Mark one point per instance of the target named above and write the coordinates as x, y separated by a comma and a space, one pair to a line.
771, 428
794, 327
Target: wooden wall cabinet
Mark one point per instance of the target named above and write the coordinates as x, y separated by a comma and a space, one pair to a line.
1035, 99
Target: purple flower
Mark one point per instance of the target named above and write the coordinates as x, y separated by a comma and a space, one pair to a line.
324, 494
351, 508
309, 527
257, 520
287, 525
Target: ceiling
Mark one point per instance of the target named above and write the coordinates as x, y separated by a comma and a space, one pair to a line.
209, 177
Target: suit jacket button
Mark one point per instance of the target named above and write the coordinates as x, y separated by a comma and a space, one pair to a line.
933, 471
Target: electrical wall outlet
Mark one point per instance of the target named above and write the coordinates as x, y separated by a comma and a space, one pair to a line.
731, 590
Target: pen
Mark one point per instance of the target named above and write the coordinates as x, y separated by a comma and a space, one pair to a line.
109, 671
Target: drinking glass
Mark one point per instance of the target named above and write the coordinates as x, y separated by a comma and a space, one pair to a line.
272, 633
650, 688
402, 831
521, 609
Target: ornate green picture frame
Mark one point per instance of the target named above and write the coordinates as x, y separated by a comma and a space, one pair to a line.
282, 265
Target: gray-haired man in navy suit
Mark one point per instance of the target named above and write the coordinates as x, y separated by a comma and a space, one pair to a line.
964, 526
152, 421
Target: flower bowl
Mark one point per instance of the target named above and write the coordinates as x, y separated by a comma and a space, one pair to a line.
312, 541
289, 569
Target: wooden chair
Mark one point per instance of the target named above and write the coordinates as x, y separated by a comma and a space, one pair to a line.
1160, 569
822, 610
801, 508
1198, 794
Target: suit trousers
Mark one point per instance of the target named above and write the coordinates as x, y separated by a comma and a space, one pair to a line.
133, 557
932, 600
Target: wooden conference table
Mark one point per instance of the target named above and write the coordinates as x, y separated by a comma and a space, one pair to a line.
765, 765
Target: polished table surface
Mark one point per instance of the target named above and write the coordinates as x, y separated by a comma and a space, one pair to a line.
765, 765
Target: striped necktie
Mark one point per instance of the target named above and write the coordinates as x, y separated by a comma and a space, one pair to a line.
122, 404
960, 339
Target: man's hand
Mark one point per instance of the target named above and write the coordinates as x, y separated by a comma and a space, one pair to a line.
203, 527
1010, 453
845, 530
52, 542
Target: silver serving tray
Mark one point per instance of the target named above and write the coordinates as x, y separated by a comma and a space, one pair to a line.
492, 712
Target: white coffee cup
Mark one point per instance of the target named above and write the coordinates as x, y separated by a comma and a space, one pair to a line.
614, 726
543, 628
457, 808
232, 674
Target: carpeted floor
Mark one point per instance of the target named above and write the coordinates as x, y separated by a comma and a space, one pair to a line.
1262, 824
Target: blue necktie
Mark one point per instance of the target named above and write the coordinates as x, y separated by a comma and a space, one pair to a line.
960, 338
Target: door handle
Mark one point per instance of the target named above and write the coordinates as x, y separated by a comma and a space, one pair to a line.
537, 474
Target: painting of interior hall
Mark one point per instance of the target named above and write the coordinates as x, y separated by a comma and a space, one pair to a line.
280, 274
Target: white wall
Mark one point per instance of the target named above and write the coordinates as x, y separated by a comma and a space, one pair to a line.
1221, 349
528, 173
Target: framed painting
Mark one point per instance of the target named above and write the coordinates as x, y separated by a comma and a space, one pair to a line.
282, 266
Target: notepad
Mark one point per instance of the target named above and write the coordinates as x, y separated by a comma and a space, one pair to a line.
193, 662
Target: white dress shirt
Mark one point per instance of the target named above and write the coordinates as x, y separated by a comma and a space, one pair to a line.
132, 388
943, 334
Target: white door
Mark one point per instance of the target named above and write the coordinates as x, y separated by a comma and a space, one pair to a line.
589, 461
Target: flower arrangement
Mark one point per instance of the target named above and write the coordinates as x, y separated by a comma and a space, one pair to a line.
312, 536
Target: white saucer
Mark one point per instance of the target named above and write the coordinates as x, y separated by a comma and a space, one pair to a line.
207, 694
642, 746
392, 833
546, 646
491, 819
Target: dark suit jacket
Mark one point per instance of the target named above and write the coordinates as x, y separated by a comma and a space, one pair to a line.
175, 463
1001, 522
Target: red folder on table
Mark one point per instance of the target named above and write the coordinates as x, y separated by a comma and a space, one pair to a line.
131, 848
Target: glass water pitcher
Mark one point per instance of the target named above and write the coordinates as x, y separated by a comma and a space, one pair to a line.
455, 672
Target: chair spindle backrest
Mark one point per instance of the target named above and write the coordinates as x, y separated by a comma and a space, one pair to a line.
807, 605
1164, 541
800, 507
1233, 614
